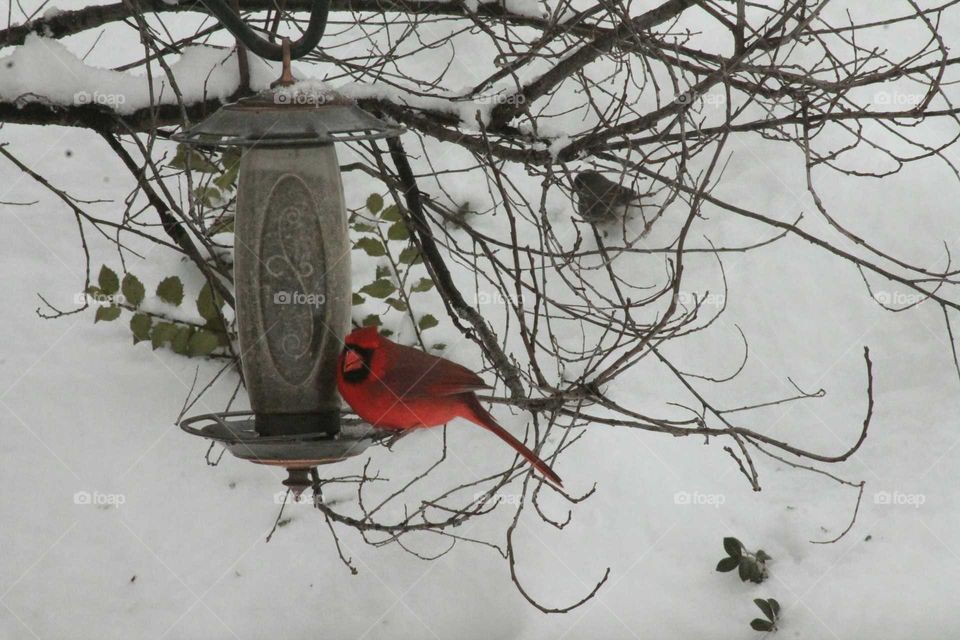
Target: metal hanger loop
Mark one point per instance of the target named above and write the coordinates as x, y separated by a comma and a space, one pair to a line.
263, 48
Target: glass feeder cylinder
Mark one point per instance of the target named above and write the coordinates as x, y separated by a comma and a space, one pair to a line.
292, 278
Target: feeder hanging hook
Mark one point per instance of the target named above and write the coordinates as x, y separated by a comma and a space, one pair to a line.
270, 50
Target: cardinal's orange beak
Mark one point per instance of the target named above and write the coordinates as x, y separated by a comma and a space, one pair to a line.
352, 360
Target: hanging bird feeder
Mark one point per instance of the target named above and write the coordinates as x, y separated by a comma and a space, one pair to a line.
291, 263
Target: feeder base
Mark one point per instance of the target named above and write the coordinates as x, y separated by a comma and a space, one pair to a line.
236, 430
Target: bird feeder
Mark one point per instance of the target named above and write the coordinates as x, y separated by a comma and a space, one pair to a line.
291, 266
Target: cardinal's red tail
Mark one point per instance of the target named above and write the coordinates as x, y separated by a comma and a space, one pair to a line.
484, 419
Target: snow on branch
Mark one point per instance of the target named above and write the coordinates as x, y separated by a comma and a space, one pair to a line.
45, 71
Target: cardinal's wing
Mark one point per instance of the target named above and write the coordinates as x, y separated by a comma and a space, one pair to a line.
417, 374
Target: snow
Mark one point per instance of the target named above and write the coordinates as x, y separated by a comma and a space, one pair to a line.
529, 8
43, 69
182, 552
303, 92
559, 143
466, 110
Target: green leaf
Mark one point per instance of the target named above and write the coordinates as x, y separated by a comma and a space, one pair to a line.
198, 162
229, 177
379, 288
386, 333
775, 606
202, 343
410, 255
727, 564
372, 320
733, 547
765, 607
391, 214
209, 303
215, 326
207, 194
371, 246
162, 333
108, 281
358, 299
171, 290
374, 202
427, 321
761, 625
107, 314
440, 346
132, 290
383, 271
181, 340
223, 225
140, 326
398, 231
425, 284
763, 556
231, 156
363, 227
179, 160
744, 569
399, 305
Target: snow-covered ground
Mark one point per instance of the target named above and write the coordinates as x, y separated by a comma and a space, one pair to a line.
184, 554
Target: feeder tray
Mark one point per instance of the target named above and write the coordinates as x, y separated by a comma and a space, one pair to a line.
298, 453
236, 430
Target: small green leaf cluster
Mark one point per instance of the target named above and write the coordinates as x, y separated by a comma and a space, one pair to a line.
216, 175
185, 338
382, 233
771, 610
750, 566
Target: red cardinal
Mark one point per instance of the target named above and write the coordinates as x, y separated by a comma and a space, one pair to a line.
395, 387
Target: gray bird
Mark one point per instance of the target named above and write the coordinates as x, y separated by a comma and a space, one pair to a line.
599, 198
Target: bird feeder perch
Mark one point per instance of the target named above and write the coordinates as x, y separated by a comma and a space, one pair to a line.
291, 265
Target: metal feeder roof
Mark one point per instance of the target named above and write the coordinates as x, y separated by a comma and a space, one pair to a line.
299, 114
